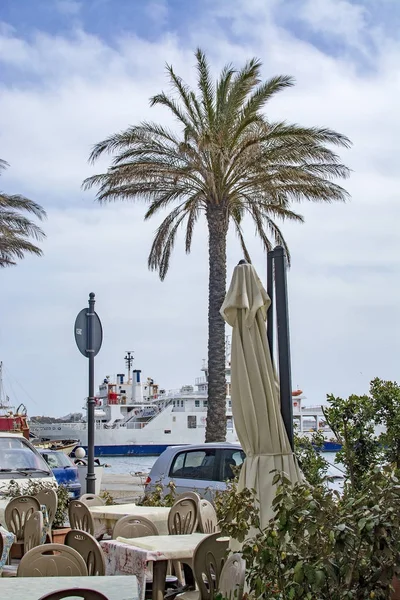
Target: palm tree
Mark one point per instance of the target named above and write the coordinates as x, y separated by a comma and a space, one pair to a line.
16, 229
225, 160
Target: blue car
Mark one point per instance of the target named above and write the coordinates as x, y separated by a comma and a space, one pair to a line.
65, 471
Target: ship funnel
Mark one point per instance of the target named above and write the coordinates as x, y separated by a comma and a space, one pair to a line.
137, 391
120, 378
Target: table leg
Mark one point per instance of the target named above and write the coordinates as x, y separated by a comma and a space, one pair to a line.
159, 575
188, 574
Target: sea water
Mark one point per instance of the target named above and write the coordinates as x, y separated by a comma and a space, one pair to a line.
143, 464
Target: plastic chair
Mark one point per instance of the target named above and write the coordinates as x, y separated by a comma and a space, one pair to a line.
208, 521
183, 517
33, 530
92, 500
90, 550
208, 561
131, 527
193, 495
80, 517
86, 594
49, 498
17, 512
52, 560
232, 578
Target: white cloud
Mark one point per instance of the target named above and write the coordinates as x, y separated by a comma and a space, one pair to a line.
337, 17
70, 92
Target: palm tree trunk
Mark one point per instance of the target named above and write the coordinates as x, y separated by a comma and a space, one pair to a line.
216, 414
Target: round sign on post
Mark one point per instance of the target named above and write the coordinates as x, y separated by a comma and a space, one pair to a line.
81, 333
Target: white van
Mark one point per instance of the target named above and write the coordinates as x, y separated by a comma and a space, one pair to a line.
20, 462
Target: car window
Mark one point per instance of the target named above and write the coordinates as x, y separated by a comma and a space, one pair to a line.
231, 458
57, 459
51, 460
16, 454
194, 464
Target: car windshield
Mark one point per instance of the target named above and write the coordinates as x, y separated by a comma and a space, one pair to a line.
57, 460
16, 455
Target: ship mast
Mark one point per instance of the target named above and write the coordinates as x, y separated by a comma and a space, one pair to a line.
4, 401
129, 358
1, 384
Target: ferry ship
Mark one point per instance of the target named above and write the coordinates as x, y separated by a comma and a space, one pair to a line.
134, 418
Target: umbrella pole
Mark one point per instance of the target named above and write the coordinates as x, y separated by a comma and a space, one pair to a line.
270, 292
282, 319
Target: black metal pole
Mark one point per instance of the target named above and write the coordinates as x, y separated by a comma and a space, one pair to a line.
270, 292
282, 319
90, 476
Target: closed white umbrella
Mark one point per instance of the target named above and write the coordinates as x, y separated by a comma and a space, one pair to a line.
255, 391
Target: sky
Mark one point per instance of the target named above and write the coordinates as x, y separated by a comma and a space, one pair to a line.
73, 72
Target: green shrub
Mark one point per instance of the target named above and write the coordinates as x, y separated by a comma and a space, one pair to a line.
32, 487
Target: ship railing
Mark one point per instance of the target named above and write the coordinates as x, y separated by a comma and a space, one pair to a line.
72, 425
173, 394
311, 410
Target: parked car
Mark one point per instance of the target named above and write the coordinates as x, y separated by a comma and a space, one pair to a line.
22, 463
204, 468
65, 471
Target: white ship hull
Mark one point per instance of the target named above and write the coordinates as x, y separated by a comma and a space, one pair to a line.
166, 429
132, 418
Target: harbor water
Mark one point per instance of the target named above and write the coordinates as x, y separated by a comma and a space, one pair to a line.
143, 464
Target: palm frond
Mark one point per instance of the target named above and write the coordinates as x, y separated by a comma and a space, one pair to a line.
206, 87
15, 247
225, 153
19, 202
13, 223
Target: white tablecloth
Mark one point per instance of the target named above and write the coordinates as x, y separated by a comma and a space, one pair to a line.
105, 517
130, 556
22, 588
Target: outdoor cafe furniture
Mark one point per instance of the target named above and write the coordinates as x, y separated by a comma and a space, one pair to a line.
33, 532
232, 578
80, 516
208, 521
136, 527
105, 517
133, 526
92, 500
52, 560
183, 516
71, 593
130, 557
90, 550
17, 512
48, 497
33, 588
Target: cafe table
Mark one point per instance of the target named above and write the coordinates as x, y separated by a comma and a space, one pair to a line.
126, 556
105, 517
33, 588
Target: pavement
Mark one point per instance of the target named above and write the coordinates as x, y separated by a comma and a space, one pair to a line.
124, 487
